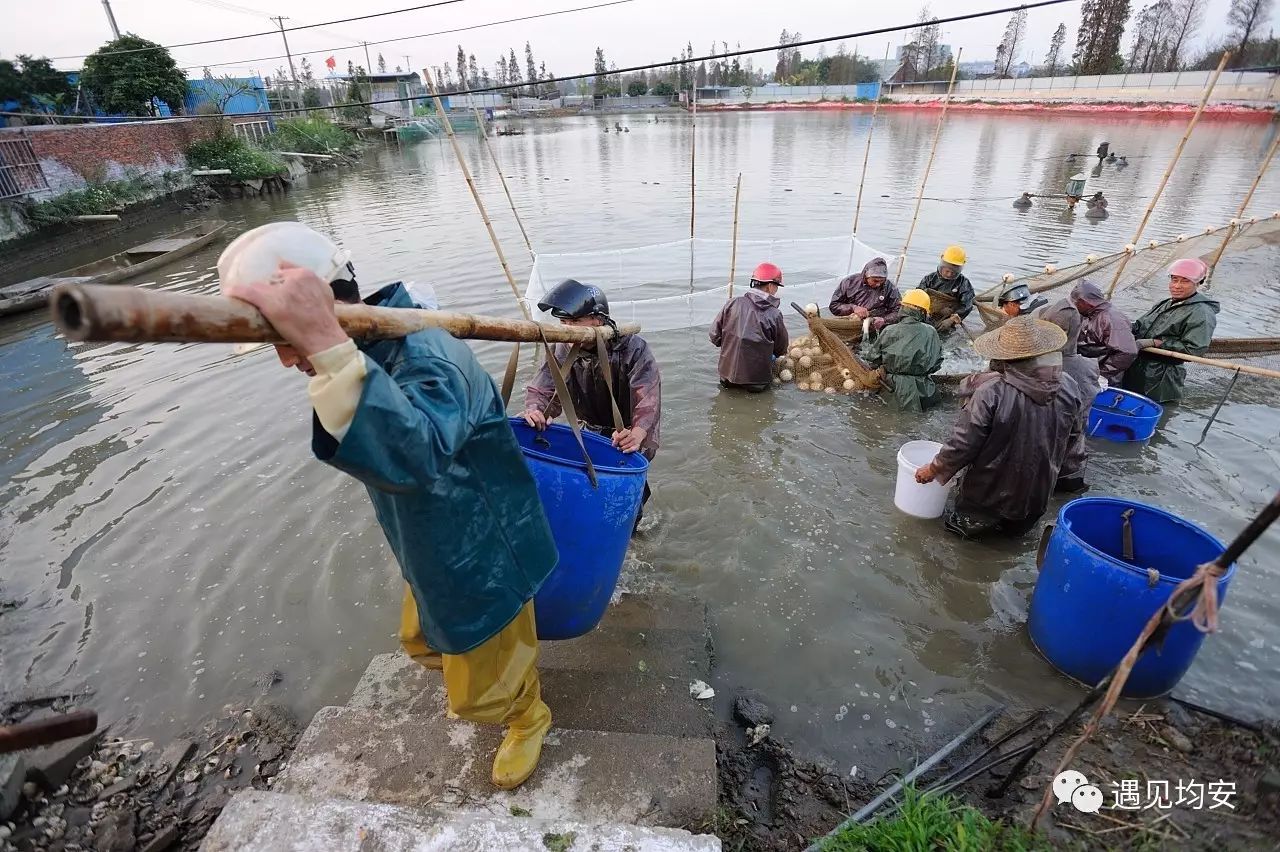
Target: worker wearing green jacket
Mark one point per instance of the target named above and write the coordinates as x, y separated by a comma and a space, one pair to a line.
910, 352
1185, 323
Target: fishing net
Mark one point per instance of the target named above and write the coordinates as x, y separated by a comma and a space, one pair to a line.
814, 363
684, 284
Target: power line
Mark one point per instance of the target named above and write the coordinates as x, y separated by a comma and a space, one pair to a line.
267, 33
629, 70
258, 13
246, 62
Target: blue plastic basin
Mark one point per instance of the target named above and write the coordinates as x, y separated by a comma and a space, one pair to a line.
592, 526
1089, 604
1121, 415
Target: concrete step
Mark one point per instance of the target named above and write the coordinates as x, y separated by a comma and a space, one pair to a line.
259, 821
423, 758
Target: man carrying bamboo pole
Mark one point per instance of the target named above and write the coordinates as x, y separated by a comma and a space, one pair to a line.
421, 424
1184, 323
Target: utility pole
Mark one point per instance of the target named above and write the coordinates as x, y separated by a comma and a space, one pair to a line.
293, 72
111, 19
408, 69
368, 68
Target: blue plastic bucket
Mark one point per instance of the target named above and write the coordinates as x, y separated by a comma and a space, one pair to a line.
591, 526
1089, 604
1121, 415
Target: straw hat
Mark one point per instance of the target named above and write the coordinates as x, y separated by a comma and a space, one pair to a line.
1019, 338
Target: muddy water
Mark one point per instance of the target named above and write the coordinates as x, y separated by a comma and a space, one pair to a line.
172, 540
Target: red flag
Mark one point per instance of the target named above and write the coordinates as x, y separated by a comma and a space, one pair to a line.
331, 62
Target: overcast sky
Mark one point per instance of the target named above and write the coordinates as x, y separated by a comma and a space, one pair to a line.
633, 33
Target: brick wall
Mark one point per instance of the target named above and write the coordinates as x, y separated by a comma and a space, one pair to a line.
74, 156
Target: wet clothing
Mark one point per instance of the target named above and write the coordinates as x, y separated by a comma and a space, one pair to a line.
1013, 436
884, 301
421, 424
957, 288
1184, 326
1084, 371
910, 352
750, 333
637, 383
1105, 334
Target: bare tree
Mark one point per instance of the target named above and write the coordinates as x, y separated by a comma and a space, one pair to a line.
1187, 15
1098, 39
1245, 18
1014, 34
1055, 48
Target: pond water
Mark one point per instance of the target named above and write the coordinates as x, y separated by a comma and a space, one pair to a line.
172, 540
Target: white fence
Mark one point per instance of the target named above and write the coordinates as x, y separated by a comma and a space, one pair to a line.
1172, 86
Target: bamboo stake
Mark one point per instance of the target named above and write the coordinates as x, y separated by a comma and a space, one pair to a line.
1177, 154
693, 154
1214, 362
1244, 205
485, 138
475, 194
104, 312
733, 252
866, 155
937, 134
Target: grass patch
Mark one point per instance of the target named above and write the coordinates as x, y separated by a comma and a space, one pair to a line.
925, 823
559, 842
246, 162
110, 197
310, 136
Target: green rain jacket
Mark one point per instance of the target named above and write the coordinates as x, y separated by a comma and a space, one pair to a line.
910, 353
431, 443
1186, 326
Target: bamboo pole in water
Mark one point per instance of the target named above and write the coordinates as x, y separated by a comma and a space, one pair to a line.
105, 312
866, 155
1244, 205
1177, 154
514, 212
475, 194
693, 153
733, 252
937, 134
1215, 362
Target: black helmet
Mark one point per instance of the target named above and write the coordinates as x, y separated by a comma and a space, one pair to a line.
1019, 293
574, 300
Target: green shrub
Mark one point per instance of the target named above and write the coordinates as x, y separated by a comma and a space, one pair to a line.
94, 200
246, 162
310, 136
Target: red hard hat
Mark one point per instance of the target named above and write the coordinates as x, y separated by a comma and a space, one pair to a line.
767, 273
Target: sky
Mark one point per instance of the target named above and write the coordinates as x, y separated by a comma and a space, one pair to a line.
632, 33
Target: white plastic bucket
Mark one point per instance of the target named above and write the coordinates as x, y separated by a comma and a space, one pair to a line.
921, 501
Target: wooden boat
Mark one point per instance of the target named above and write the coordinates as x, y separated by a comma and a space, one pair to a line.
31, 295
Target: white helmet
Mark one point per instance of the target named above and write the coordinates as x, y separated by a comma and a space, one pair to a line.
256, 254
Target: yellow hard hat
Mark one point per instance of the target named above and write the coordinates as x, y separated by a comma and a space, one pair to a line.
917, 299
953, 255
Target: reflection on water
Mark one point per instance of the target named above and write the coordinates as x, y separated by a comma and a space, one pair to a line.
173, 540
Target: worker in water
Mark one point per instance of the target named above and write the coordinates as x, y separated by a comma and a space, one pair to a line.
1015, 300
1184, 323
1103, 150
868, 294
1084, 371
908, 352
949, 280
1023, 201
626, 402
1013, 435
1105, 333
749, 332
421, 424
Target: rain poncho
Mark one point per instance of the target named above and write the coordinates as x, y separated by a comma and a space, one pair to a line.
883, 301
1013, 436
910, 352
1105, 333
1181, 326
1084, 371
958, 288
430, 441
750, 333
636, 380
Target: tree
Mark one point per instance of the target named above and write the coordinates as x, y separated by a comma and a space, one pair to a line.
382, 64
1014, 33
132, 82
1187, 17
601, 69
513, 67
922, 56
500, 70
636, 88
531, 69
462, 68
308, 76
35, 83
221, 91
1098, 40
663, 89
1245, 18
1152, 38
351, 68
473, 71
1055, 49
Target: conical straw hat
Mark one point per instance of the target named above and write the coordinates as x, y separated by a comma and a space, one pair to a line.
1021, 337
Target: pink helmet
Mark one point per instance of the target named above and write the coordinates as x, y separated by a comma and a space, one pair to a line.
1191, 268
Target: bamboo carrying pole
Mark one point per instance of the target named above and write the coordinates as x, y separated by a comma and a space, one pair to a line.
45, 731
937, 134
1214, 362
475, 194
1244, 205
866, 155
1177, 154
733, 252
102, 312
485, 138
